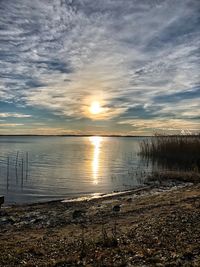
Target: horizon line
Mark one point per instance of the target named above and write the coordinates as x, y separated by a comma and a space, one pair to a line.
88, 135
76, 135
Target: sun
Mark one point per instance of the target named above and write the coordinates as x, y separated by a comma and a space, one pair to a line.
95, 107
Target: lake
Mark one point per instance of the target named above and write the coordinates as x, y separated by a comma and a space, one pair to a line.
35, 169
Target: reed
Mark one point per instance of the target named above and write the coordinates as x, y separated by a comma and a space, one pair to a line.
176, 150
22, 179
8, 170
16, 166
26, 166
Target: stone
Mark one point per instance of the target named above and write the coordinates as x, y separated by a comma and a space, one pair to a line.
77, 214
1, 200
116, 208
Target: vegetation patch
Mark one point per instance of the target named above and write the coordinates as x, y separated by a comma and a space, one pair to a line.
173, 152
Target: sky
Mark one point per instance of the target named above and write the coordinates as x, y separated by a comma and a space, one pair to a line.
137, 61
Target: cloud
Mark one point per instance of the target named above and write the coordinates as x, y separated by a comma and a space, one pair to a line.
14, 115
22, 129
10, 124
166, 125
132, 56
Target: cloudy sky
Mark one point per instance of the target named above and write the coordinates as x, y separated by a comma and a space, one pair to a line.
137, 61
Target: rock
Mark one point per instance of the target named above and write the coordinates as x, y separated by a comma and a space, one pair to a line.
6, 220
77, 214
1, 200
23, 224
3, 213
116, 208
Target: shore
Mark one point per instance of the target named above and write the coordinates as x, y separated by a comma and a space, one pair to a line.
152, 226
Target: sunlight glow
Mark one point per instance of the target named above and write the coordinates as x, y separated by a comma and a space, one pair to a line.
96, 142
95, 107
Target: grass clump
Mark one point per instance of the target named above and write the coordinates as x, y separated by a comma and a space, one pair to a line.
180, 151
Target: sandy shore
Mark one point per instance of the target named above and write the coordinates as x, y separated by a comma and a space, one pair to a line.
153, 226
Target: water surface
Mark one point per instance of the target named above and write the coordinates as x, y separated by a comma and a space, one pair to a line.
36, 169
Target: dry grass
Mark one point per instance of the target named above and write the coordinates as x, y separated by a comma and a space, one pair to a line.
182, 152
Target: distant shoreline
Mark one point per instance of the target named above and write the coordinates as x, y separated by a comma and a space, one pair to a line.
86, 135
68, 135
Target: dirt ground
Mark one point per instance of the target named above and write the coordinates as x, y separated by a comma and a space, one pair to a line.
149, 227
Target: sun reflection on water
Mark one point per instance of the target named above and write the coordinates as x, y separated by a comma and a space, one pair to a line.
96, 142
